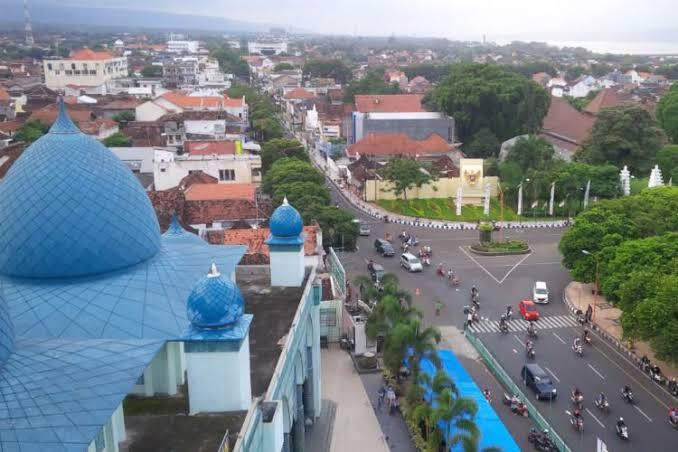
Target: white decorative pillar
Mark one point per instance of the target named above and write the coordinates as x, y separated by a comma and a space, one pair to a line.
459, 200
520, 199
625, 177
486, 205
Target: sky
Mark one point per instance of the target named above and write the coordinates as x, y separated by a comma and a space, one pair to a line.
627, 20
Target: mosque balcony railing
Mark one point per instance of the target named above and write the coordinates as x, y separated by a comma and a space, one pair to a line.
224, 444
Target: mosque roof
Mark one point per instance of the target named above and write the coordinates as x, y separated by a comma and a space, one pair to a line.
215, 301
286, 226
77, 331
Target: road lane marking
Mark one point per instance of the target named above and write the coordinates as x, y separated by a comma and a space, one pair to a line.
594, 417
641, 412
559, 338
515, 351
552, 374
478, 264
597, 373
514, 267
519, 341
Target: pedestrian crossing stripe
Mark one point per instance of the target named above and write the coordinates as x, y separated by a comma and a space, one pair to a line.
518, 325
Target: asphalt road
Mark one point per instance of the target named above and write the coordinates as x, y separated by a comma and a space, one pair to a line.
506, 280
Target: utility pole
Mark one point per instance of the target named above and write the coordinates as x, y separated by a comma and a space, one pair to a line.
28, 27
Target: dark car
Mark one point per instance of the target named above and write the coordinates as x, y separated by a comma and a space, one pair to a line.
535, 378
384, 248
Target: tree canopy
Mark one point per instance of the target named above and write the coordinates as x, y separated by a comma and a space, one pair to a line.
430, 71
282, 67
118, 139
623, 135
335, 69
405, 174
532, 67
152, 70
667, 159
667, 113
481, 96
372, 83
30, 131
124, 116
230, 61
483, 144
278, 148
531, 152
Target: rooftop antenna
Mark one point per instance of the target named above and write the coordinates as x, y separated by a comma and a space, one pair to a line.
28, 28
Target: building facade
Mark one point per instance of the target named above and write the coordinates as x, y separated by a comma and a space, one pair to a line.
267, 47
84, 68
416, 125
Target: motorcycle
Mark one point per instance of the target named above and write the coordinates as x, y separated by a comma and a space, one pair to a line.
474, 316
577, 400
475, 302
602, 405
541, 441
622, 432
453, 280
426, 261
517, 407
578, 350
530, 353
441, 270
503, 327
627, 396
673, 387
673, 419
531, 331
576, 422
509, 313
587, 340
657, 377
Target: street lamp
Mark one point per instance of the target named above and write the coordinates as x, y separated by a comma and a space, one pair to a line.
595, 293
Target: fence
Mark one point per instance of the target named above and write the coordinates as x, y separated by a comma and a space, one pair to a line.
224, 444
505, 380
337, 271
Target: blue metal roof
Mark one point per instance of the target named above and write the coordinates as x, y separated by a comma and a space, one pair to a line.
70, 207
215, 302
58, 394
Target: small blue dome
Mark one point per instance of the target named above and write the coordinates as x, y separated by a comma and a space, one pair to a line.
286, 221
215, 302
69, 207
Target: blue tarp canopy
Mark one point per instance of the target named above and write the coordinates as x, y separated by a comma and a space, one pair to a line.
493, 431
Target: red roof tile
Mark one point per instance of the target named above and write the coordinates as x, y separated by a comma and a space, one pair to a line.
388, 103
90, 55
184, 101
203, 212
299, 93
209, 147
4, 95
255, 239
216, 192
608, 97
566, 124
383, 144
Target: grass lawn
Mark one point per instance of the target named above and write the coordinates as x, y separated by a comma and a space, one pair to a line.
638, 184
444, 209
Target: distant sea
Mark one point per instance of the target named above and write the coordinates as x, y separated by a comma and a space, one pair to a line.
622, 47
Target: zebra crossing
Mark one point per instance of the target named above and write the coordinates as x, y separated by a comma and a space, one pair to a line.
517, 325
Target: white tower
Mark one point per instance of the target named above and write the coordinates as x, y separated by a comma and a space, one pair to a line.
655, 178
28, 28
286, 245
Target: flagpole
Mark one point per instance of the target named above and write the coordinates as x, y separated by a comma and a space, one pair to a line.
586, 194
553, 189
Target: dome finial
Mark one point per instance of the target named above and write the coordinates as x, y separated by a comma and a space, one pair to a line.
285, 202
63, 122
214, 271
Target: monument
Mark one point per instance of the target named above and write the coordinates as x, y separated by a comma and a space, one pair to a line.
486, 200
625, 178
459, 201
655, 178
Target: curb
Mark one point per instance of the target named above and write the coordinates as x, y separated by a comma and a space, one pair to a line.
499, 253
608, 337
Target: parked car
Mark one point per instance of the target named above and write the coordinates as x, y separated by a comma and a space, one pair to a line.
376, 272
410, 262
364, 230
384, 248
540, 293
528, 310
536, 379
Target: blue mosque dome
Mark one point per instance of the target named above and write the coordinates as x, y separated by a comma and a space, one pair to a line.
69, 207
6, 331
215, 302
286, 221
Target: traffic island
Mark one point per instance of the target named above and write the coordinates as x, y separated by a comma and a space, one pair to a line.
506, 248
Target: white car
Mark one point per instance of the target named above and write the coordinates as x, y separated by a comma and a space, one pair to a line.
411, 263
540, 293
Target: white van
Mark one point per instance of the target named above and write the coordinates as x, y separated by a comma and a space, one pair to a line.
540, 293
411, 263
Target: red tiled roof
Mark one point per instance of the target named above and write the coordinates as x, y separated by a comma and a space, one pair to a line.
90, 55
197, 177
299, 93
566, 124
48, 114
399, 144
4, 95
9, 127
202, 212
122, 104
209, 147
201, 101
254, 239
217, 192
608, 97
12, 152
388, 103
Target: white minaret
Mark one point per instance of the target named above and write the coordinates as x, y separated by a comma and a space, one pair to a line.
625, 178
286, 246
28, 27
656, 179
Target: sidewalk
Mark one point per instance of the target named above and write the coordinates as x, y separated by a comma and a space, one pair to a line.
379, 213
606, 321
355, 427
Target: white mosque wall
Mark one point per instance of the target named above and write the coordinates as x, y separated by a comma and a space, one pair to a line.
111, 434
219, 380
164, 373
287, 266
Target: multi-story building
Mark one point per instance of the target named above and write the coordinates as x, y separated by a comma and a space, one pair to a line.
172, 102
267, 47
177, 46
416, 125
85, 67
180, 71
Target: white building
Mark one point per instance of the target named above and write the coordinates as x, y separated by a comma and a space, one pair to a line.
175, 46
172, 102
267, 47
169, 167
583, 87
84, 68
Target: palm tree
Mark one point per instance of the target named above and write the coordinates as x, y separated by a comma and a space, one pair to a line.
442, 381
423, 343
457, 413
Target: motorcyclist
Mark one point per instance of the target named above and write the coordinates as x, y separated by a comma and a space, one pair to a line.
626, 390
576, 415
530, 328
673, 415
502, 321
529, 345
474, 291
577, 394
601, 398
620, 423
509, 312
577, 343
586, 336
488, 394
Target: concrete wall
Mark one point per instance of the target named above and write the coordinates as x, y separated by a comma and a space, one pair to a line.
333, 333
149, 111
446, 188
164, 373
417, 129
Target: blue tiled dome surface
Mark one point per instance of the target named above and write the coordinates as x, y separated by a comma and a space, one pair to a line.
286, 221
69, 207
6, 331
215, 302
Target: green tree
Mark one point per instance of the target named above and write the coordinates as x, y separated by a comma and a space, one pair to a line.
668, 71
267, 128
481, 96
458, 413
278, 148
283, 67
118, 139
430, 71
30, 131
152, 71
372, 83
667, 159
288, 170
230, 61
531, 152
340, 231
533, 67
307, 197
483, 145
405, 174
667, 113
623, 135
335, 69
124, 116
574, 72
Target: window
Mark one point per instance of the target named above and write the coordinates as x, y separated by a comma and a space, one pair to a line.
162, 170
57, 72
84, 66
69, 72
226, 174
92, 72
328, 317
73, 66
49, 66
76, 72
256, 172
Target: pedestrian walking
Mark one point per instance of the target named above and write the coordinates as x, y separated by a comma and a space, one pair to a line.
439, 307
589, 313
380, 397
390, 398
